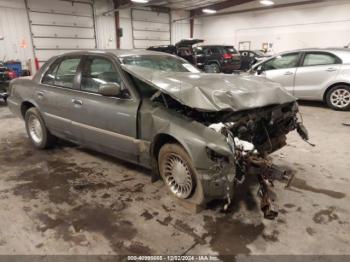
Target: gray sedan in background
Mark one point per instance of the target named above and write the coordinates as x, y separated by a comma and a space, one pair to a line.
312, 74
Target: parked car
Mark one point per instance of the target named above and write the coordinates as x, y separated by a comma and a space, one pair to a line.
170, 49
312, 74
250, 57
222, 58
183, 48
200, 132
6, 75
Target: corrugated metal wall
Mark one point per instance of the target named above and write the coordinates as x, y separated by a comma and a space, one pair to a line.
14, 28
61, 26
105, 25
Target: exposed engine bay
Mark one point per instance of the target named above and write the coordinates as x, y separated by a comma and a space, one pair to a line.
252, 138
251, 135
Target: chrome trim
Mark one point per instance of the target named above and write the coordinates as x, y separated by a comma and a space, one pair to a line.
106, 132
12, 102
90, 93
98, 130
58, 118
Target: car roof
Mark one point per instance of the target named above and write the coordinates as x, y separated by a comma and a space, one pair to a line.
343, 53
331, 50
116, 52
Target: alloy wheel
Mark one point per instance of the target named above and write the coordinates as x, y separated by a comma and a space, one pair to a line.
35, 129
340, 98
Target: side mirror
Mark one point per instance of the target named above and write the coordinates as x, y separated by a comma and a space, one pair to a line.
110, 89
259, 70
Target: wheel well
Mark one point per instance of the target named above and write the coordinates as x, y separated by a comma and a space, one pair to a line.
24, 108
160, 141
329, 88
214, 63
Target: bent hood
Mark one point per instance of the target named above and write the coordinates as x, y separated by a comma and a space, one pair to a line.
214, 92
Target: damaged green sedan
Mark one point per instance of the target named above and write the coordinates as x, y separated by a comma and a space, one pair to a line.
201, 133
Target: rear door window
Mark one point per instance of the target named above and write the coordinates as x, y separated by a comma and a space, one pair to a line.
63, 73
231, 50
315, 59
215, 51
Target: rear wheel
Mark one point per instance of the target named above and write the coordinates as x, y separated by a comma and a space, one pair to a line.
216, 68
338, 98
36, 129
176, 169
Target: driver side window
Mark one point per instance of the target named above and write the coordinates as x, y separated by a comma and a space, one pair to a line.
96, 72
282, 62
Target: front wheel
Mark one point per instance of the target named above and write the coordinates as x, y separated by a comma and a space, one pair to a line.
176, 169
338, 98
36, 129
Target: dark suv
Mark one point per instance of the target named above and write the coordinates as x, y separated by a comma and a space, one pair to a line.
221, 58
183, 48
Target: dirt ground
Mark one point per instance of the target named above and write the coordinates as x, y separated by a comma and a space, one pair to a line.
70, 200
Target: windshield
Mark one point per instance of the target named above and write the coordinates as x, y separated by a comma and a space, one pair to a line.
260, 53
160, 62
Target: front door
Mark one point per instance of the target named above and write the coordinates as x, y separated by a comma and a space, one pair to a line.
316, 72
107, 124
282, 69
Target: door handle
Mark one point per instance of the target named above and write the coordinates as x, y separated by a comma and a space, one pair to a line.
77, 102
288, 73
331, 69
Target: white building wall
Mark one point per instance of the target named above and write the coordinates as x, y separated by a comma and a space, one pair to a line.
125, 24
180, 29
14, 29
105, 25
316, 25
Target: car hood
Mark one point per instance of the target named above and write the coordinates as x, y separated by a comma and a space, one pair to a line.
214, 92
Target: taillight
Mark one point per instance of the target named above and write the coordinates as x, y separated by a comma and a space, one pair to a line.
11, 74
228, 56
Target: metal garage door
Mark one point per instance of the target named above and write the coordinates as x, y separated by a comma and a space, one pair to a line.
59, 26
150, 28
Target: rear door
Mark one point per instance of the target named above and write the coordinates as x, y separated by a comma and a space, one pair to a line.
281, 69
55, 93
317, 71
216, 54
107, 124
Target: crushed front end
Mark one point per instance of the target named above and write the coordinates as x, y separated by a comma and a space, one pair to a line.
253, 135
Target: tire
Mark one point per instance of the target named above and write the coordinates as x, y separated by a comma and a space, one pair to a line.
216, 68
176, 169
37, 131
338, 98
